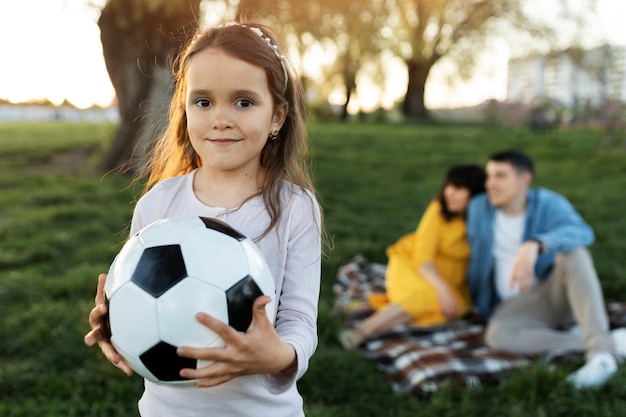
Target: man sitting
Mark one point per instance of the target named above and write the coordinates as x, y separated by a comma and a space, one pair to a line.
531, 274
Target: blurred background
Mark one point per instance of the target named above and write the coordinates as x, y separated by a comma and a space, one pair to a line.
546, 63
397, 91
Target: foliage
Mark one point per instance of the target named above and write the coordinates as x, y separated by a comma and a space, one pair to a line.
62, 223
420, 33
460, 30
349, 28
362, 34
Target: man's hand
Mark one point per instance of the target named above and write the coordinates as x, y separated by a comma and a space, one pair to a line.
523, 274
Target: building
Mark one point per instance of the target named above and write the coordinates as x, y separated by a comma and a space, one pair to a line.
573, 78
46, 112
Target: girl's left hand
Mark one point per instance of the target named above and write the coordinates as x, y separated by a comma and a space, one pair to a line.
259, 350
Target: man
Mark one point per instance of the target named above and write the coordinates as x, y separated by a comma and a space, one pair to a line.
531, 274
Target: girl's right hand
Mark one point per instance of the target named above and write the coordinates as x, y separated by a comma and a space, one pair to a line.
100, 334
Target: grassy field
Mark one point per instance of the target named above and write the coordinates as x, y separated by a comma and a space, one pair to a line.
61, 223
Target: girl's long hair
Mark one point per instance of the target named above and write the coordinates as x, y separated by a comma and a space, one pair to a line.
285, 158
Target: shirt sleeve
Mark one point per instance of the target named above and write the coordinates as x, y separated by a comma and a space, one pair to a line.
558, 225
296, 319
146, 210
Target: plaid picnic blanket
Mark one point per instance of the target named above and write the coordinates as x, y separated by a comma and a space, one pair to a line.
419, 360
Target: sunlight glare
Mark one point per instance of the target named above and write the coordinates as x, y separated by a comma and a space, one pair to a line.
51, 51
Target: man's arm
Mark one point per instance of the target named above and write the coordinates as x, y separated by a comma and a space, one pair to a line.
557, 225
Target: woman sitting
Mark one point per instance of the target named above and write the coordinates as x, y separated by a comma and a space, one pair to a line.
425, 279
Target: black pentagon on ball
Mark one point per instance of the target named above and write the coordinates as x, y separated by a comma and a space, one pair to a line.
159, 269
239, 299
222, 227
162, 360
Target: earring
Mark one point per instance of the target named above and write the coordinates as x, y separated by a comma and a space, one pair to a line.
274, 134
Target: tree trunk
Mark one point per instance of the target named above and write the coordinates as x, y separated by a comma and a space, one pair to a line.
136, 45
343, 116
413, 106
350, 85
348, 72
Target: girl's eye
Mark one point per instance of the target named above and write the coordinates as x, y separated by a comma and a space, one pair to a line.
244, 102
202, 102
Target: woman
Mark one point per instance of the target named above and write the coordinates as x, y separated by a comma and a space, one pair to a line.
425, 279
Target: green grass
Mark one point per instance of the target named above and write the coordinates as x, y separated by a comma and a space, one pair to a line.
61, 223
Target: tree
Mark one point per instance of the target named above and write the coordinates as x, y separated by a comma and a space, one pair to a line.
138, 38
350, 28
427, 30
139, 35
353, 27
421, 32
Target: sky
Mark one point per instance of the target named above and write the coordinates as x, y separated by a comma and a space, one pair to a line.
51, 50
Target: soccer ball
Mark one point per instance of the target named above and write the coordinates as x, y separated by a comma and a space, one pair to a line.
168, 272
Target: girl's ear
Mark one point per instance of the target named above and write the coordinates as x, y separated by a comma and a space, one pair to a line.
280, 114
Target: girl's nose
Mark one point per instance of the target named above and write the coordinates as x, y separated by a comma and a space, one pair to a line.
221, 119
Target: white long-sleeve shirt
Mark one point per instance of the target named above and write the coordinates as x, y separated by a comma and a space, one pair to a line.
293, 253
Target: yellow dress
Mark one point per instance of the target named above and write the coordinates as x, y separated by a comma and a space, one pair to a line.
435, 240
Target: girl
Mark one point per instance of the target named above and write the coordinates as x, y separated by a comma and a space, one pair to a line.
425, 279
235, 149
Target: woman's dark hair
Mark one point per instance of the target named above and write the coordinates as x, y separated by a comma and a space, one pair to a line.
469, 176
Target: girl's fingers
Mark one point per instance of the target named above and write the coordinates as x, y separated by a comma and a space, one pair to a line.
259, 312
100, 289
96, 315
93, 337
218, 326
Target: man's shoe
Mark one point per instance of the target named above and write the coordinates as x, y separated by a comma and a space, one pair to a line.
598, 369
619, 338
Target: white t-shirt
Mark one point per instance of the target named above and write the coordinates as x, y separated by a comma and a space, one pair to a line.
293, 252
508, 233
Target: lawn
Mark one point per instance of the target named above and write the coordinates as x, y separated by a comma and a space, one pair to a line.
62, 221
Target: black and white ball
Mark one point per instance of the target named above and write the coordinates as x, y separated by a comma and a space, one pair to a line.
167, 273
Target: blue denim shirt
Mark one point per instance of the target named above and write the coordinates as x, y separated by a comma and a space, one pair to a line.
550, 217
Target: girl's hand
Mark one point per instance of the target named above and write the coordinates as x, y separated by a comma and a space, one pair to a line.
100, 334
259, 350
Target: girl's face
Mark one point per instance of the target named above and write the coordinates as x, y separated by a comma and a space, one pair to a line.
456, 198
230, 111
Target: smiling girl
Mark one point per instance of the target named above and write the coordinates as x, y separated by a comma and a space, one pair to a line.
236, 149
